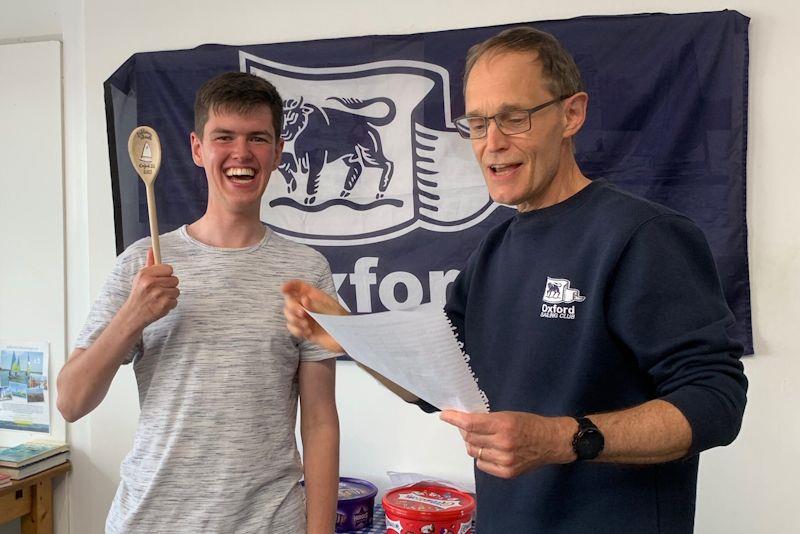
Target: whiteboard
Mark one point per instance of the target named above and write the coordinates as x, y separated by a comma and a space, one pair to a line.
32, 263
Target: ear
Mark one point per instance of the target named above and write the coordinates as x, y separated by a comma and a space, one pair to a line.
574, 113
278, 152
197, 149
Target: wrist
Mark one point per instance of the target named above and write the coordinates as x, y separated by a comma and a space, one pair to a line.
588, 441
127, 325
566, 427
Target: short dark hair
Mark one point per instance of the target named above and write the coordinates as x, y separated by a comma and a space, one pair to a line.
560, 71
237, 92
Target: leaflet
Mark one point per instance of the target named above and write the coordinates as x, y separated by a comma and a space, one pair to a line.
415, 348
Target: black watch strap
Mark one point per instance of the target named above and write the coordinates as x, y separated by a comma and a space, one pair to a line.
588, 441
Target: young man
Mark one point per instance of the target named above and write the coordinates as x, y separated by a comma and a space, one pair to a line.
218, 374
594, 320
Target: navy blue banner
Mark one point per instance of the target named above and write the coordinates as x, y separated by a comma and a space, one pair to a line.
375, 176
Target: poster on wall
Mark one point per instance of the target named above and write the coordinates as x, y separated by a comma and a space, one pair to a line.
24, 387
375, 176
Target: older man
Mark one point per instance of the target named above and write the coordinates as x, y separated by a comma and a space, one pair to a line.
594, 321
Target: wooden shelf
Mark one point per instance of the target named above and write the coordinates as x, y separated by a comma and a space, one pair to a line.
31, 499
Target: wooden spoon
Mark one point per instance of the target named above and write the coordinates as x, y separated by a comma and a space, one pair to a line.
144, 149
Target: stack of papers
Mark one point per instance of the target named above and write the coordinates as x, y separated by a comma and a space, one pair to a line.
416, 349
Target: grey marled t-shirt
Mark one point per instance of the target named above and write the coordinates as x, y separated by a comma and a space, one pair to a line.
214, 450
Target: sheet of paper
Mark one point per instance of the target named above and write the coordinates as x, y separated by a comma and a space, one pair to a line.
416, 348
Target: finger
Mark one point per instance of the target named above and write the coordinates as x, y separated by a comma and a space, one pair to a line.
481, 453
171, 303
477, 423
292, 287
151, 260
298, 328
291, 306
162, 281
172, 293
456, 419
299, 288
294, 313
162, 270
479, 440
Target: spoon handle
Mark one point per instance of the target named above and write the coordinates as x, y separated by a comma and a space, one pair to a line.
151, 212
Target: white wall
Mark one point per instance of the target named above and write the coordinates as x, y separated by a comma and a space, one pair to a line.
32, 200
746, 488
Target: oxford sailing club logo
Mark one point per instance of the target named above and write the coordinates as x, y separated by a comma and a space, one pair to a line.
558, 291
370, 154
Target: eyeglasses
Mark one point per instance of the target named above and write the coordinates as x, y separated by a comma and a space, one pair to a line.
508, 122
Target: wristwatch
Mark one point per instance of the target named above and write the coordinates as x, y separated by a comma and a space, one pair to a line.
588, 441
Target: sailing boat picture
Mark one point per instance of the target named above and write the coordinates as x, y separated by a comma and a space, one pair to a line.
147, 154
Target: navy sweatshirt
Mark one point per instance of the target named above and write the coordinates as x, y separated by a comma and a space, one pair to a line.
599, 303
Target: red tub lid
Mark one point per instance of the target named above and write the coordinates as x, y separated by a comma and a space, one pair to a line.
428, 501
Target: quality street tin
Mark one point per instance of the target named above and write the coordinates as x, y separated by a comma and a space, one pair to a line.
428, 507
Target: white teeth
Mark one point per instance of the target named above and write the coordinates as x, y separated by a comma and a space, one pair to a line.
239, 171
502, 168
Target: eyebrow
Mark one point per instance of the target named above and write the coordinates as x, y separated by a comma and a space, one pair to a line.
265, 133
503, 108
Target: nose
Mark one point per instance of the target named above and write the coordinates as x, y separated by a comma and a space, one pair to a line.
496, 141
241, 149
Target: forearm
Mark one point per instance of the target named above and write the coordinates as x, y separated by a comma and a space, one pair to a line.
321, 467
84, 380
653, 432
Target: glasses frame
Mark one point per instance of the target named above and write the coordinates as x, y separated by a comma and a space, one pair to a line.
486, 120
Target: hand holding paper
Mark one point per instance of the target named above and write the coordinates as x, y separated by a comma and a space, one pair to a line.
299, 297
416, 349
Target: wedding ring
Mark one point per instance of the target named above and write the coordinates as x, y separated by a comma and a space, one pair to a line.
480, 453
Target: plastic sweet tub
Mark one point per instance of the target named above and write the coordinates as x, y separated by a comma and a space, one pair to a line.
356, 502
428, 508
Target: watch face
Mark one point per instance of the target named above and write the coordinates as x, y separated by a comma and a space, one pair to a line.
589, 444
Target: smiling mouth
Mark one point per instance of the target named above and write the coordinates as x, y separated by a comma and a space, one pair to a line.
240, 175
501, 169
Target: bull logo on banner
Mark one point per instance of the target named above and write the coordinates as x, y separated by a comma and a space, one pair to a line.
355, 140
370, 154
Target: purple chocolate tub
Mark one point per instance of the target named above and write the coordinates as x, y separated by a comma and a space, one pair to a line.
356, 500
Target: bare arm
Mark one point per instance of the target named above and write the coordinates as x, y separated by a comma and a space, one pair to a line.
84, 380
507, 444
319, 430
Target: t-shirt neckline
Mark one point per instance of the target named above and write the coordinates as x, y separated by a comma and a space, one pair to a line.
191, 240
